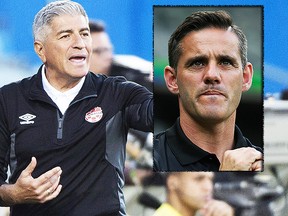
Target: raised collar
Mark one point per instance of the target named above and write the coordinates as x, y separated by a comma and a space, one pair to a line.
92, 85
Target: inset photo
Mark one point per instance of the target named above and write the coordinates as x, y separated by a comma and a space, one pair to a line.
208, 88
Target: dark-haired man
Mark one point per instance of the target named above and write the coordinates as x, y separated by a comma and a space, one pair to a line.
208, 71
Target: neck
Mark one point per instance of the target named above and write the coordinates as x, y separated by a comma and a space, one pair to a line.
212, 137
62, 84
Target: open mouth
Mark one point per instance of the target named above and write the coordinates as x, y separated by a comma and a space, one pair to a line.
77, 58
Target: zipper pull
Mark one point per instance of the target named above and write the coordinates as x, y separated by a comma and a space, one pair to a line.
60, 127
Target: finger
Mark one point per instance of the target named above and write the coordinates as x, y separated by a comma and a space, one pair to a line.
55, 178
50, 185
211, 209
48, 192
50, 174
30, 168
257, 154
207, 209
54, 194
240, 159
257, 165
218, 208
54, 186
250, 154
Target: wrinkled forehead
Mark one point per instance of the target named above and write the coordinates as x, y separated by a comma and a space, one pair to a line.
64, 23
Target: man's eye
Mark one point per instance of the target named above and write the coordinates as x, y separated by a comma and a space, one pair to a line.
64, 36
197, 64
85, 34
226, 63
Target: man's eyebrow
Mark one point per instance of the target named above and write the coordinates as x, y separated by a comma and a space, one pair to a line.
200, 58
64, 31
71, 31
226, 57
233, 59
84, 29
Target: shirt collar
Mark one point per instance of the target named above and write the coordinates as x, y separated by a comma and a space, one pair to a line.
54, 93
186, 151
167, 209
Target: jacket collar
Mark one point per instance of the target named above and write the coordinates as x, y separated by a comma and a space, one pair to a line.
91, 87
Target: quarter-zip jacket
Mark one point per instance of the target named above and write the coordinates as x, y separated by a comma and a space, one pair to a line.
87, 142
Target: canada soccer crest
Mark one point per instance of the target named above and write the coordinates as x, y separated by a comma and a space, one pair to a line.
94, 115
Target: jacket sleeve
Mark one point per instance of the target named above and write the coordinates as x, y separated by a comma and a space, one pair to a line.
4, 141
136, 103
139, 109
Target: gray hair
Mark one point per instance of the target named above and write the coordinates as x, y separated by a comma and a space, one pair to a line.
44, 17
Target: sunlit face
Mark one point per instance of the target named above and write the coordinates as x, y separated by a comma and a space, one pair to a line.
102, 53
66, 50
193, 189
210, 78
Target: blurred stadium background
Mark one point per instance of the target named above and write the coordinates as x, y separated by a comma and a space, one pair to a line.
130, 25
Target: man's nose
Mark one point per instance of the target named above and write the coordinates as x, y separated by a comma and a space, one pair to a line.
78, 42
212, 74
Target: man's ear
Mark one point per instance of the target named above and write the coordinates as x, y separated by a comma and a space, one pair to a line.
247, 77
172, 182
39, 49
171, 79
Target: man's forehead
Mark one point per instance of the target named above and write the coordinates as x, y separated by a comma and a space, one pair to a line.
68, 21
210, 39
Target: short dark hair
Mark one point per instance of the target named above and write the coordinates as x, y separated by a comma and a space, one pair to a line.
198, 21
97, 26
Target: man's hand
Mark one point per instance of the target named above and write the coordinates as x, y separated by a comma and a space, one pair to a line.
217, 208
242, 159
32, 190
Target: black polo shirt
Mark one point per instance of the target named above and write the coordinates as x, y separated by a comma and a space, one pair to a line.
173, 151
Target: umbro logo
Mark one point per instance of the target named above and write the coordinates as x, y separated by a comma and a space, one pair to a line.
27, 118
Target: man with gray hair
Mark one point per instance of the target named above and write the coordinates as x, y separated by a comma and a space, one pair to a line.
63, 131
